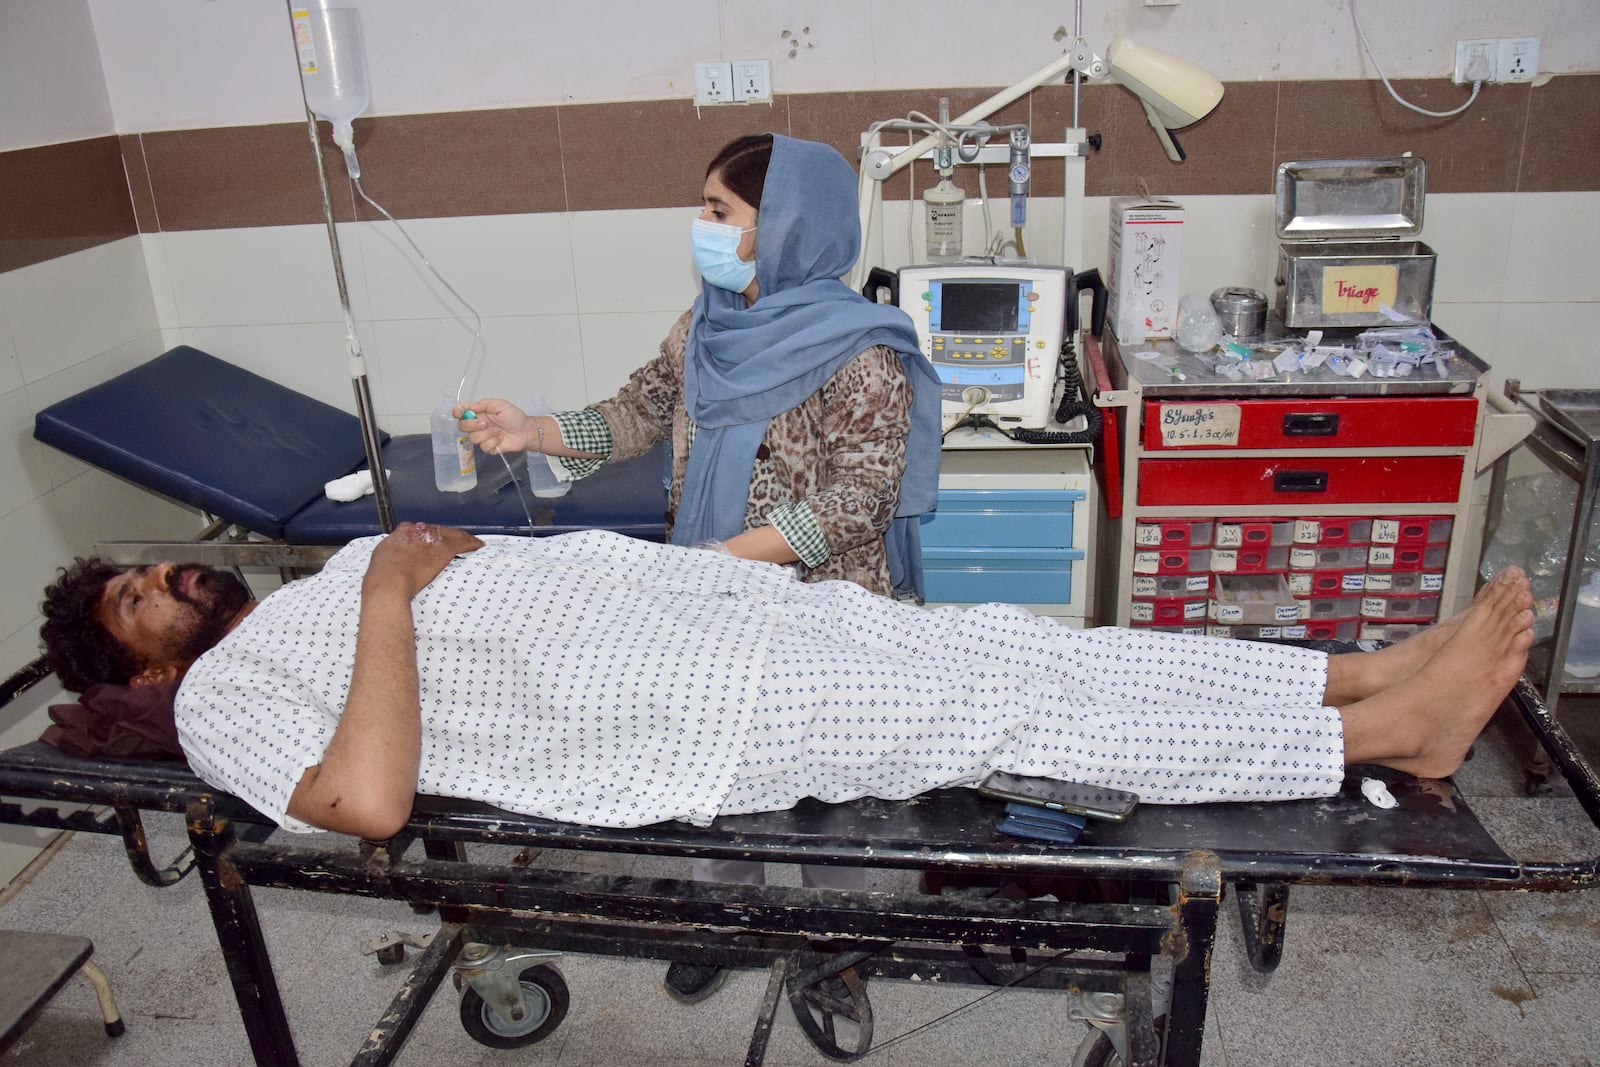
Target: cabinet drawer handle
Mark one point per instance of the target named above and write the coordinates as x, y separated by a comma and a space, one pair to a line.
1311, 424
1300, 482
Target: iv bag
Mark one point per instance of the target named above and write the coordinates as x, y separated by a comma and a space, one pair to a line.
333, 66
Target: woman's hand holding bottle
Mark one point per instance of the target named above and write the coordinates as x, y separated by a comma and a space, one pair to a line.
497, 426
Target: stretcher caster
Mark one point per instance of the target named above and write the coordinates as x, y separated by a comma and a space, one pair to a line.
1098, 1050
502, 1011
545, 1000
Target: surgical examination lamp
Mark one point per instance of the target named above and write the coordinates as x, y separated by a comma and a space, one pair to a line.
1175, 93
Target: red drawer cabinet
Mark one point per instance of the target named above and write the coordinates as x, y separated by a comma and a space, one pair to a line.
1446, 421
1302, 483
1355, 491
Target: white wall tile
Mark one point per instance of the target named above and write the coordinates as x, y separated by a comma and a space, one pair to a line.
20, 482
1470, 233
154, 246
69, 309
1554, 247
1476, 326
47, 467
499, 264
614, 346
632, 261
306, 357
35, 547
95, 506
420, 360
22, 721
10, 367
1227, 240
1549, 346
258, 275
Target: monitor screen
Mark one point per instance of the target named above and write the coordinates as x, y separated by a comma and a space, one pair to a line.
978, 307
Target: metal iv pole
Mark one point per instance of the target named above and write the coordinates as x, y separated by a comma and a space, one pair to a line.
370, 437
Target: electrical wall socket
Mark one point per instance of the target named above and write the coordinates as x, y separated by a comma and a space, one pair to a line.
713, 83
752, 80
1475, 60
1516, 59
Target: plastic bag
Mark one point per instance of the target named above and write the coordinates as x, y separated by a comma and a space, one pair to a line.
1199, 328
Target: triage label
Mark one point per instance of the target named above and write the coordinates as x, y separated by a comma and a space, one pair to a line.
1358, 290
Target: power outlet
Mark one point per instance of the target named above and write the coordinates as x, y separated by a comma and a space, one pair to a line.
1475, 60
1517, 59
713, 83
752, 80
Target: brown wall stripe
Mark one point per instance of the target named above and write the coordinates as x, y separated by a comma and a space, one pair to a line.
643, 154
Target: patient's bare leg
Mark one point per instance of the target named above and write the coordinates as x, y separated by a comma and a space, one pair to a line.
1424, 724
1358, 675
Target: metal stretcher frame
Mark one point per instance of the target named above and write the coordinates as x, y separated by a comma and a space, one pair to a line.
1098, 954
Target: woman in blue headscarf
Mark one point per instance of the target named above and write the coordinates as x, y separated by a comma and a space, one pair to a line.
803, 418
804, 421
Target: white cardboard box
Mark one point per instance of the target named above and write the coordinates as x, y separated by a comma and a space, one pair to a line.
1142, 267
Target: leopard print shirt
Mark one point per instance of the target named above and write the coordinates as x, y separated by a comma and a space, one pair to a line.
840, 453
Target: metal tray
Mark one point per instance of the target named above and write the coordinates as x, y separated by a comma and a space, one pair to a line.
1350, 199
1577, 411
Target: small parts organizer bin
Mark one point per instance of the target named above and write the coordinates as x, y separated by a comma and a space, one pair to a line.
1313, 577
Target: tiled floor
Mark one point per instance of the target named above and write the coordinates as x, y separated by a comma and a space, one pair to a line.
1369, 976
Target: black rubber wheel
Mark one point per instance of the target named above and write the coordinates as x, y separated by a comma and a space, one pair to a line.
544, 992
1096, 1049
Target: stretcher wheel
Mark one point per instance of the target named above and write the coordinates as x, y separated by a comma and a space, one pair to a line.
544, 992
1096, 1049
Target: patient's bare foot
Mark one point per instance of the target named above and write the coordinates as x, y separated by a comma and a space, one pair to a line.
1425, 724
1359, 675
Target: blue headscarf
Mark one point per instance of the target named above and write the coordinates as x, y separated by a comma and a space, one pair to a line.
743, 365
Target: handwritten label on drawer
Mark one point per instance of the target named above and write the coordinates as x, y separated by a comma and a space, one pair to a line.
1199, 424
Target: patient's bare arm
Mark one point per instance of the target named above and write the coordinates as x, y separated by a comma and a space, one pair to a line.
368, 775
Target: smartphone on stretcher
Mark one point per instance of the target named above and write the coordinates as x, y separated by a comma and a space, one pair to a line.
1094, 801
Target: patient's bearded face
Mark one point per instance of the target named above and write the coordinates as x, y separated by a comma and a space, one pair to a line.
215, 597
170, 615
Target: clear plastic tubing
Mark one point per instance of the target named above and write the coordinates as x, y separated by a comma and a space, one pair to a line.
333, 68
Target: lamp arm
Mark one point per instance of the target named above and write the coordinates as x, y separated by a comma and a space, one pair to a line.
1169, 139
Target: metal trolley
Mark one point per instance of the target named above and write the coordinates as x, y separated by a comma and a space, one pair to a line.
501, 924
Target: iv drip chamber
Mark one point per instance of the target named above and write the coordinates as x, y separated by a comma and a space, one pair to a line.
943, 205
333, 66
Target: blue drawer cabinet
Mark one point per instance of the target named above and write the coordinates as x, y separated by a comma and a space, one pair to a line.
1011, 527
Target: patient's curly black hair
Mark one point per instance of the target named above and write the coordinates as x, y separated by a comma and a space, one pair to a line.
77, 648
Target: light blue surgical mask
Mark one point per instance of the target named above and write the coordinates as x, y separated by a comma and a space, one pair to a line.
715, 247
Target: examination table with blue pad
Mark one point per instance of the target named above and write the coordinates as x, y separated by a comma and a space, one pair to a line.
501, 922
255, 455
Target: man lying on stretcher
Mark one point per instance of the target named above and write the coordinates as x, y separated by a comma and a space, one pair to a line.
593, 678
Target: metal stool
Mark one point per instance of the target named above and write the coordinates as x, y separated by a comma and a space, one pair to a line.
37, 965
